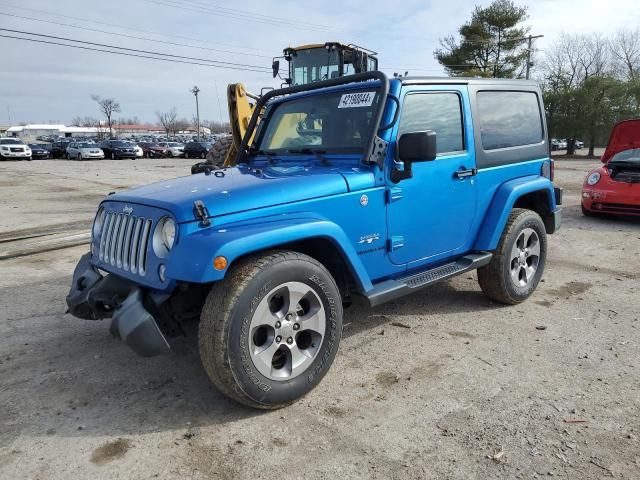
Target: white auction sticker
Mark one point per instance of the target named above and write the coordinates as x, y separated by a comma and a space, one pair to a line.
360, 99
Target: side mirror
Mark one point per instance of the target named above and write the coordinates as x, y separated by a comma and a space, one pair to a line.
414, 147
275, 67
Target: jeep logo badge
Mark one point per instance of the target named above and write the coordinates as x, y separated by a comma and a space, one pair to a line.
364, 200
127, 210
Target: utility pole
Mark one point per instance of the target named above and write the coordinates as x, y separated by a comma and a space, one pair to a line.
195, 90
529, 40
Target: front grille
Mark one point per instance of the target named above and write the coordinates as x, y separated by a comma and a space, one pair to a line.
124, 242
17, 149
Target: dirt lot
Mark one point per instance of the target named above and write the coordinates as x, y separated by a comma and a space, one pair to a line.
442, 384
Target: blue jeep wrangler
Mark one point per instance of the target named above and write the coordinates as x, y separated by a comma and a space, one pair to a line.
359, 185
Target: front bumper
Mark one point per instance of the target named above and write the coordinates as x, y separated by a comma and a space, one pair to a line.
94, 297
15, 154
623, 201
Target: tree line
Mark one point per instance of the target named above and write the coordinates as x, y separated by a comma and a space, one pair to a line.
168, 120
589, 81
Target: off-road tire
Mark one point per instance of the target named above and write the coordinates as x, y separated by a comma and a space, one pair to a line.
218, 152
494, 278
224, 336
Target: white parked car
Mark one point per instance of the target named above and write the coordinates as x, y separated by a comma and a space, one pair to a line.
138, 149
84, 151
175, 149
14, 148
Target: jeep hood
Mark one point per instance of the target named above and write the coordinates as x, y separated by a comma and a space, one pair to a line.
625, 135
240, 189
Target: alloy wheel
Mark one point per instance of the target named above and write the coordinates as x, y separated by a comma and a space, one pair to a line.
525, 257
286, 331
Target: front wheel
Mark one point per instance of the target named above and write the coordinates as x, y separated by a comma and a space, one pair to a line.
113, 156
80, 157
518, 263
269, 332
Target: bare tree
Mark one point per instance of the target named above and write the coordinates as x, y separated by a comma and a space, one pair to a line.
107, 106
168, 120
217, 127
85, 122
625, 49
182, 125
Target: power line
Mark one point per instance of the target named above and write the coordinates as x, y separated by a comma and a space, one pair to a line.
146, 52
94, 30
253, 14
129, 29
34, 40
216, 13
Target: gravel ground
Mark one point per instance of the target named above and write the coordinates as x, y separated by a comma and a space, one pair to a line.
441, 384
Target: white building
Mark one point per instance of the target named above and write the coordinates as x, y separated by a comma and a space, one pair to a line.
36, 130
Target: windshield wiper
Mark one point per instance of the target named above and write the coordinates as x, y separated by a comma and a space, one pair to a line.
311, 151
267, 153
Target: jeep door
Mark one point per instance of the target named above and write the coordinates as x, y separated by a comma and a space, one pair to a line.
429, 216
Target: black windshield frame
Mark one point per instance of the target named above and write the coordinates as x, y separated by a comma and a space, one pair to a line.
361, 79
340, 129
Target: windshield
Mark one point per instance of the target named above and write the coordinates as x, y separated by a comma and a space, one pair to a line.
331, 123
314, 65
627, 156
85, 145
120, 144
10, 141
173, 144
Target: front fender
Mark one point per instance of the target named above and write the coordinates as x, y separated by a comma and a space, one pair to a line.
192, 260
505, 197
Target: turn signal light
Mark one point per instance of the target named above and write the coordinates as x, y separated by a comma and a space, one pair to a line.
220, 263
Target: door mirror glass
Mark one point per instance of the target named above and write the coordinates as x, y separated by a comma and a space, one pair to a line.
417, 146
275, 66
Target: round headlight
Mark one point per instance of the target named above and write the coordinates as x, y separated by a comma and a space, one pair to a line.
168, 233
98, 222
593, 178
164, 237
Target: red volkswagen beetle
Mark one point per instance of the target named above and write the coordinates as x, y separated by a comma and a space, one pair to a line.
614, 188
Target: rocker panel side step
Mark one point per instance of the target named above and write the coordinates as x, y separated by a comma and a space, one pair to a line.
392, 289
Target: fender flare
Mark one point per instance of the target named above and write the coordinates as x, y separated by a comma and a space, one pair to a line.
500, 207
233, 241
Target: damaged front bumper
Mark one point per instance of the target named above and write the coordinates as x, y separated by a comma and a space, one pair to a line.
94, 297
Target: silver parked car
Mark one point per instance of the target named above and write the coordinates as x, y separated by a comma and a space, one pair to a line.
84, 151
175, 149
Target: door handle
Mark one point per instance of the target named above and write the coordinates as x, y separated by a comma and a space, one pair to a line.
464, 173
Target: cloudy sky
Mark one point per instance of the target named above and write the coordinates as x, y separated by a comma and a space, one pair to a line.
50, 83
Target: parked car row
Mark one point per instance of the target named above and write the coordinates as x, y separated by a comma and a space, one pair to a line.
111, 149
562, 144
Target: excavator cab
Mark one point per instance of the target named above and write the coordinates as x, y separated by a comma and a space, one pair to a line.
315, 63
307, 64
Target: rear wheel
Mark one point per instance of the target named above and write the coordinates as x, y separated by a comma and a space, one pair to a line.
270, 331
518, 263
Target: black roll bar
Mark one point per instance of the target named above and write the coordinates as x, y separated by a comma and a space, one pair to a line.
357, 78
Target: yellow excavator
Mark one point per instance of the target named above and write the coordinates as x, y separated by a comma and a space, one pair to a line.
307, 64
